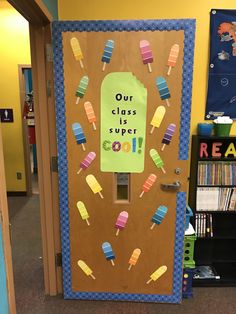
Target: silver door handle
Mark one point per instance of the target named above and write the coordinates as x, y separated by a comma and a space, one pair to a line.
171, 187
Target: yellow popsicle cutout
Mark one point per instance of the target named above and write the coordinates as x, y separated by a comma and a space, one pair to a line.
157, 117
83, 211
94, 185
88, 271
157, 274
76, 50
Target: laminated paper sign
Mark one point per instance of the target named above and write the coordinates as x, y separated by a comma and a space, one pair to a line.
123, 123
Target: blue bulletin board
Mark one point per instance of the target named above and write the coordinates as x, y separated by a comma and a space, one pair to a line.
68, 182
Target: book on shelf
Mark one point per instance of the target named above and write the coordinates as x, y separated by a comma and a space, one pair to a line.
203, 225
205, 272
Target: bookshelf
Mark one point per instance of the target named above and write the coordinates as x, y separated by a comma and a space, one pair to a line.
212, 197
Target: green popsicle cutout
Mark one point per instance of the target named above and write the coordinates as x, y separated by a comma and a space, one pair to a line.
83, 84
157, 159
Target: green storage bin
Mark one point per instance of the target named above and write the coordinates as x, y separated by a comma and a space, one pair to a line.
189, 251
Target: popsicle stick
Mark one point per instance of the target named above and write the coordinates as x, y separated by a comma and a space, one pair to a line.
78, 172
130, 266
93, 276
152, 226
163, 147
100, 194
163, 170
83, 147
104, 66
77, 100
148, 281
141, 195
152, 129
112, 262
167, 102
81, 64
169, 70
117, 232
87, 222
149, 67
94, 126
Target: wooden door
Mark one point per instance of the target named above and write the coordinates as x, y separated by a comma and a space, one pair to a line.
126, 160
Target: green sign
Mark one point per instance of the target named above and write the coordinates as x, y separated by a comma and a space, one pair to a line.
123, 123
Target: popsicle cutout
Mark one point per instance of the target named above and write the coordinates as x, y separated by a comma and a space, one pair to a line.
90, 113
76, 50
134, 258
88, 271
108, 252
79, 134
81, 89
159, 215
94, 185
83, 212
121, 221
157, 159
157, 274
146, 53
163, 89
87, 161
157, 118
148, 184
173, 56
107, 53
168, 135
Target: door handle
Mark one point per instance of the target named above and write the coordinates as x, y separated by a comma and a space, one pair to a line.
171, 187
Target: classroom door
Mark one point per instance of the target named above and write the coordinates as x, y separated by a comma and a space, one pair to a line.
123, 116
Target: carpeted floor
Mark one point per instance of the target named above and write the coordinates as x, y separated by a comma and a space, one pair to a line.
28, 276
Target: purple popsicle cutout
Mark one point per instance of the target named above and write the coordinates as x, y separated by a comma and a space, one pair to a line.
168, 135
87, 161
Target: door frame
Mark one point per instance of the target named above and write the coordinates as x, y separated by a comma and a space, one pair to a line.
39, 18
26, 146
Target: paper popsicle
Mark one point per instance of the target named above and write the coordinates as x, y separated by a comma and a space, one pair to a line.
76, 50
134, 258
146, 53
148, 183
173, 56
88, 271
157, 159
87, 161
157, 274
163, 89
94, 185
157, 117
90, 113
83, 211
168, 135
81, 89
108, 252
107, 53
159, 215
121, 221
79, 134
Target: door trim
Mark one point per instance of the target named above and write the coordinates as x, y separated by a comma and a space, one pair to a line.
25, 129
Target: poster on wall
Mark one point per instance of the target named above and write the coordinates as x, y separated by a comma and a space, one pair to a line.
123, 118
221, 97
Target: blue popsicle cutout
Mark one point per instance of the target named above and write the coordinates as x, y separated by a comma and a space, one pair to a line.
159, 215
107, 53
79, 134
163, 89
108, 252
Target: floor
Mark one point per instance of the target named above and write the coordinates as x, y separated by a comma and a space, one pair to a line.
28, 276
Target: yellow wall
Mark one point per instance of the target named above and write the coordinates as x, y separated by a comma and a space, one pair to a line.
159, 9
14, 50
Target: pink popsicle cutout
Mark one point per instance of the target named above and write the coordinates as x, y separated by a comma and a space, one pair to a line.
121, 221
146, 53
87, 161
